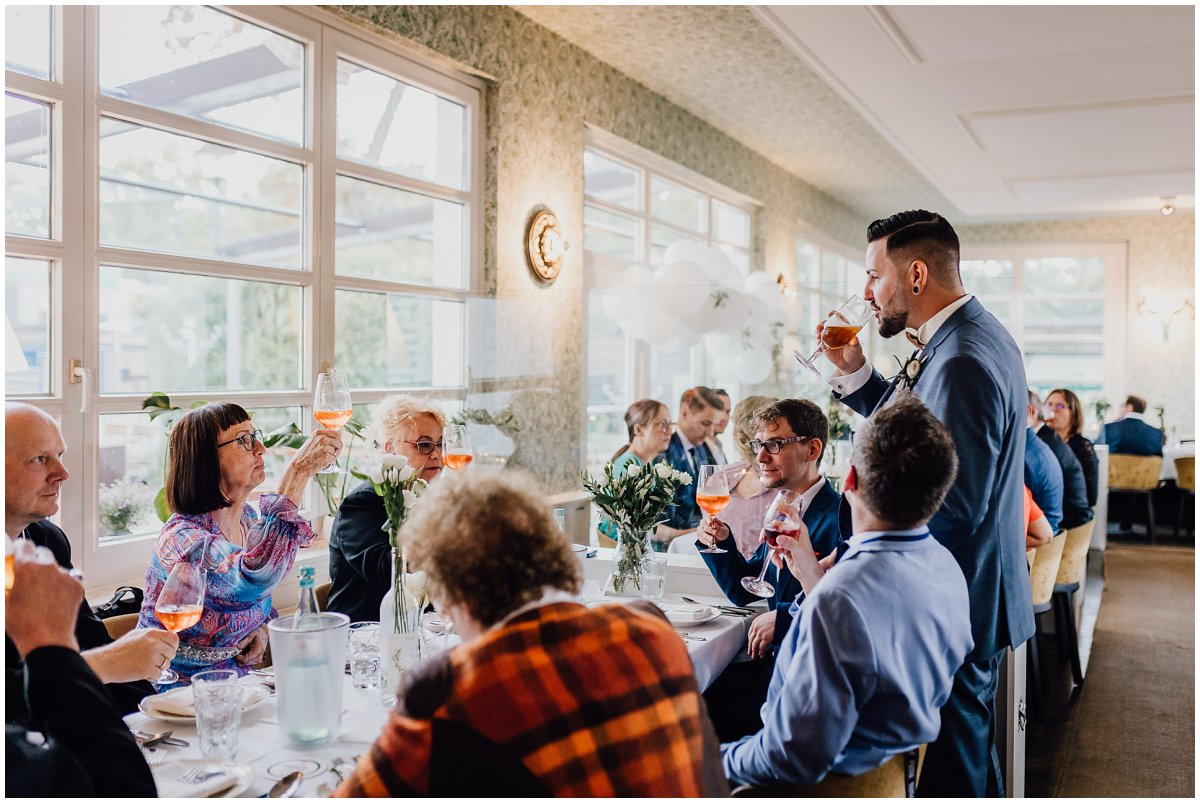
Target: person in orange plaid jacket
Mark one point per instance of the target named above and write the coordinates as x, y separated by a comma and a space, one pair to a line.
544, 696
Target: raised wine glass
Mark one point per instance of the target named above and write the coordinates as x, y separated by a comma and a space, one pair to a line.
456, 447
180, 603
782, 518
712, 495
840, 328
332, 408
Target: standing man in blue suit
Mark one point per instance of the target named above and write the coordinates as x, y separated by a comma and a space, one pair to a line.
698, 411
967, 369
1131, 434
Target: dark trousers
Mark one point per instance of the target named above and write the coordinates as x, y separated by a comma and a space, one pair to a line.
735, 698
962, 761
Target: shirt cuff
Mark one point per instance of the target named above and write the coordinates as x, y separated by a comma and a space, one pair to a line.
849, 383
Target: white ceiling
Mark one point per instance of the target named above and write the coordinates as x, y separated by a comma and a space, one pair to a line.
987, 112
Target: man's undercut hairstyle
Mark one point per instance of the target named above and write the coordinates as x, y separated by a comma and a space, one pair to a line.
1137, 403
193, 465
918, 234
804, 417
905, 462
699, 397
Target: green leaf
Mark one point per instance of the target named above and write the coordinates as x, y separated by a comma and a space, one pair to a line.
161, 508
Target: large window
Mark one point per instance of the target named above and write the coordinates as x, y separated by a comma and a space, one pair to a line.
237, 199
636, 205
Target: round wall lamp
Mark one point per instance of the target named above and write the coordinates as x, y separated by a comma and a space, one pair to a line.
545, 245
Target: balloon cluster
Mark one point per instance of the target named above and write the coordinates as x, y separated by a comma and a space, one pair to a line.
698, 293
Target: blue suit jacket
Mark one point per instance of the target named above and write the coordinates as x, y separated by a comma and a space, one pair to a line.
730, 567
685, 513
1130, 436
1075, 507
973, 380
1044, 477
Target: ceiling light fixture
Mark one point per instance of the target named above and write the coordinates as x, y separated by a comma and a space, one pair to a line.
1168, 206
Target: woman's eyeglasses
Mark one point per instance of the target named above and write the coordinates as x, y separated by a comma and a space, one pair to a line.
663, 426
1055, 406
426, 447
246, 439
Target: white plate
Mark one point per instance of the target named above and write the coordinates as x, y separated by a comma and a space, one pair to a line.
684, 615
245, 775
253, 695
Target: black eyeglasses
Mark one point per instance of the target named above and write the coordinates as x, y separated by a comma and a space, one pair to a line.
774, 444
425, 447
246, 439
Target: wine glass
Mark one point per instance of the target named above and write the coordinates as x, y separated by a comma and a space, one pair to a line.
782, 518
180, 603
456, 447
712, 495
332, 408
840, 328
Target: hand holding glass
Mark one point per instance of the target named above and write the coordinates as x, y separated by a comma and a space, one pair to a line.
712, 495
180, 604
331, 407
840, 328
456, 447
783, 518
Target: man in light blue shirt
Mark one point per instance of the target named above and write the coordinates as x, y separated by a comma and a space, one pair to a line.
875, 642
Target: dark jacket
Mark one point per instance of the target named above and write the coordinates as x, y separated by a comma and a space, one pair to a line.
1082, 448
90, 632
360, 556
1076, 510
685, 513
1131, 436
1044, 478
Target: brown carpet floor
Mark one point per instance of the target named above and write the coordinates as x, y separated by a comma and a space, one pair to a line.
1130, 730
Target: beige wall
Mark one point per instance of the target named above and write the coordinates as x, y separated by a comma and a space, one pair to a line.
1162, 259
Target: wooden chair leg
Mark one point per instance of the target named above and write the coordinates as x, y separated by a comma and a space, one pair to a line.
1070, 634
1150, 517
1033, 672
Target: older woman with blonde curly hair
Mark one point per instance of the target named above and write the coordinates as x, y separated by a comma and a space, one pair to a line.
360, 557
536, 670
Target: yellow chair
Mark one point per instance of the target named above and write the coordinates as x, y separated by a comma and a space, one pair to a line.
896, 778
322, 594
1070, 574
1136, 474
1042, 576
120, 625
1185, 479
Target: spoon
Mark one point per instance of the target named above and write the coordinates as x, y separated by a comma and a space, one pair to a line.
287, 785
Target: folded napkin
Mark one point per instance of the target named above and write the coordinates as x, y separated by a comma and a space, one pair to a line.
168, 779
177, 702
687, 613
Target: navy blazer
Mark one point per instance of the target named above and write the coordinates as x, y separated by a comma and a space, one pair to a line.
1075, 507
728, 568
1130, 436
685, 513
973, 380
1044, 477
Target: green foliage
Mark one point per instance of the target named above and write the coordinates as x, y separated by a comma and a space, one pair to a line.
636, 499
839, 422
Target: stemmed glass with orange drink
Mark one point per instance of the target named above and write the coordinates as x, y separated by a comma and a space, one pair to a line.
456, 447
332, 408
840, 328
712, 495
180, 603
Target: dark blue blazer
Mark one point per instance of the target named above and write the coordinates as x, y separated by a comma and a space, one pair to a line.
1044, 477
1130, 436
730, 567
1075, 507
685, 513
973, 380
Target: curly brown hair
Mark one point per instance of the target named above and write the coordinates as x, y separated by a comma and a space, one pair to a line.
515, 549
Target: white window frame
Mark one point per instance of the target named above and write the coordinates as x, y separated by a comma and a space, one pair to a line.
73, 246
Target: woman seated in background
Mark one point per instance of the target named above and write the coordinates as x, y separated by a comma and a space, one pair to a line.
360, 555
1063, 413
215, 461
649, 425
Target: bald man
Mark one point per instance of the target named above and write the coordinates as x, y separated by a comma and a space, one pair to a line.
33, 476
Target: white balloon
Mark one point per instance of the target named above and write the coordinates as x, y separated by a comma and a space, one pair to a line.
794, 311
722, 346
632, 327
718, 266
659, 329
761, 286
689, 286
685, 251
701, 321
685, 335
616, 304
636, 282
753, 366
732, 312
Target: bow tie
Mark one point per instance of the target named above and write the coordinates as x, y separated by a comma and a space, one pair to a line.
911, 334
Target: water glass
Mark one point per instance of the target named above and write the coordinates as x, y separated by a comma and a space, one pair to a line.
654, 578
437, 634
218, 699
364, 654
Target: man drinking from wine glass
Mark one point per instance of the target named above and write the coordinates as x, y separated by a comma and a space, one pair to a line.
699, 408
33, 478
871, 654
789, 442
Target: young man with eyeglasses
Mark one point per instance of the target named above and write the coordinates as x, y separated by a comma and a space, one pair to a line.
789, 443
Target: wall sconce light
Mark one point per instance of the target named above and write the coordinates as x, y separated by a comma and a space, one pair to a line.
1163, 307
1168, 206
545, 245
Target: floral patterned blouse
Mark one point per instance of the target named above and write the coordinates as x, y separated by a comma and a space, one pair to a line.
240, 580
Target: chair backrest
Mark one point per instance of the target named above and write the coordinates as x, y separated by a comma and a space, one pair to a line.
1185, 473
1074, 555
1131, 472
683, 545
1044, 571
120, 625
322, 594
885, 781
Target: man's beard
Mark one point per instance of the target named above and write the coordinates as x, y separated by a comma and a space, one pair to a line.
894, 324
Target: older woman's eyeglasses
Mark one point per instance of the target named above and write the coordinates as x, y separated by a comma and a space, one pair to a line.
425, 447
246, 439
774, 444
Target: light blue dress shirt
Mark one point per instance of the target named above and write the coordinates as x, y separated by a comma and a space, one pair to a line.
866, 666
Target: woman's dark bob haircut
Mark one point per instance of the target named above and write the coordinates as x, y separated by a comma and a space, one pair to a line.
193, 467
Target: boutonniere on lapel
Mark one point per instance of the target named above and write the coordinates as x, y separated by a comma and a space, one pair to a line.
910, 370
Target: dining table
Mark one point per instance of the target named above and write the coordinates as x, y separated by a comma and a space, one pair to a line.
263, 759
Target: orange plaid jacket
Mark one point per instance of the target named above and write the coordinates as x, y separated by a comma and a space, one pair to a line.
561, 700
